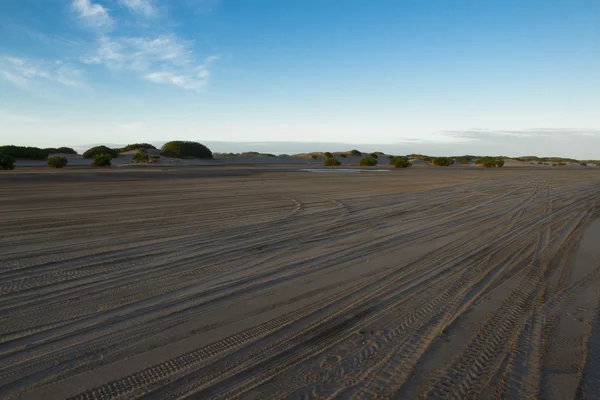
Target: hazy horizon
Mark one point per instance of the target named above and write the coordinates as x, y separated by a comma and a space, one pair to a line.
493, 77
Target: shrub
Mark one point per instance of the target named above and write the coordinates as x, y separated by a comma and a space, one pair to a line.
343, 155
368, 162
7, 162
374, 155
331, 162
400, 162
140, 157
30, 153
101, 160
491, 162
57, 161
180, 149
62, 150
91, 153
314, 156
137, 146
463, 160
539, 163
328, 154
442, 161
355, 153
583, 164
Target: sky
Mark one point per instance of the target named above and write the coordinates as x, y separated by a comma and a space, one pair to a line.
510, 77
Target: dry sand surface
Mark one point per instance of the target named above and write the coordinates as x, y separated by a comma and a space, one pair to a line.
265, 283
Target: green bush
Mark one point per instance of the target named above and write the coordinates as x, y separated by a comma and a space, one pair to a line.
91, 153
463, 160
374, 155
343, 155
33, 153
355, 153
490, 162
62, 150
137, 146
368, 161
400, 162
7, 162
57, 161
583, 164
442, 161
140, 157
314, 156
331, 162
181, 149
101, 160
328, 154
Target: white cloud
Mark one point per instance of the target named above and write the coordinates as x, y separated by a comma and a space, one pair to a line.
142, 7
21, 72
166, 59
92, 14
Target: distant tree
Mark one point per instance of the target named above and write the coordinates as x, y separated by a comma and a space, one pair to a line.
463, 160
442, 161
90, 153
101, 160
374, 155
180, 149
368, 162
583, 164
328, 154
314, 156
57, 161
355, 153
331, 162
343, 155
7, 162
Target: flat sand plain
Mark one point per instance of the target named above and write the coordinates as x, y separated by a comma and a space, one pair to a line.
266, 283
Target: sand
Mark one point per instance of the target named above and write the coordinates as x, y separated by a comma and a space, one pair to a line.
271, 282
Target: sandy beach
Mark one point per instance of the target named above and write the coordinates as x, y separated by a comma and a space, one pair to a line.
236, 282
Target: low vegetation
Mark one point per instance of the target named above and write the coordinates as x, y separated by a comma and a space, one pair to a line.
331, 162
140, 157
421, 157
57, 161
7, 162
368, 162
137, 146
94, 151
33, 153
374, 155
463, 160
182, 149
400, 162
327, 155
490, 162
101, 160
442, 161
355, 153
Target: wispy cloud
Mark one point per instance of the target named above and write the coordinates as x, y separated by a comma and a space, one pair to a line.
22, 73
166, 59
141, 7
92, 14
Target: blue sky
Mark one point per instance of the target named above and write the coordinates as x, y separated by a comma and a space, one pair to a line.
495, 76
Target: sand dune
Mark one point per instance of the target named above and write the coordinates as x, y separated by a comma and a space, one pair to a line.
428, 282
